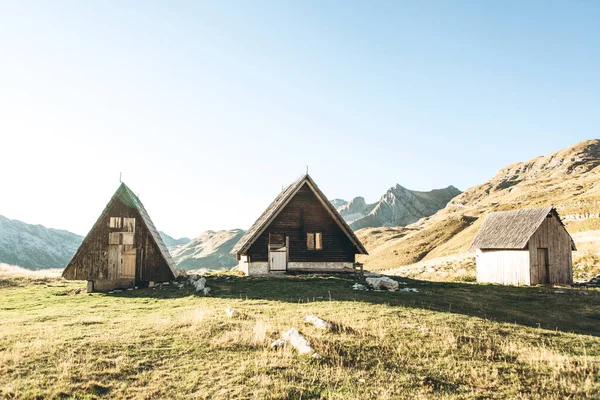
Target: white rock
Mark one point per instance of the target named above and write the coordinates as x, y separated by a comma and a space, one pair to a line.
278, 343
231, 313
297, 341
359, 286
383, 282
409, 289
318, 322
166, 283
199, 284
206, 291
559, 291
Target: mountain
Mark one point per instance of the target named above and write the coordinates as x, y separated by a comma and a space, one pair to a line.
337, 203
397, 207
209, 250
35, 246
567, 179
172, 242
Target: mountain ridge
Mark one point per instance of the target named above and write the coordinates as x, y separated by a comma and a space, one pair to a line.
567, 179
397, 207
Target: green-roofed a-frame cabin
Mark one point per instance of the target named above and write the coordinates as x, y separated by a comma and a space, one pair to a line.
123, 248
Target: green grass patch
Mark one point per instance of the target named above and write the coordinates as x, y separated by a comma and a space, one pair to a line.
449, 340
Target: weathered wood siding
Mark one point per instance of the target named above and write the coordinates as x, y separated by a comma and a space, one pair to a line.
551, 235
507, 267
91, 262
305, 213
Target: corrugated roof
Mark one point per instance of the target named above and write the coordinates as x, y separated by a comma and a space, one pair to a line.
511, 229
279, 203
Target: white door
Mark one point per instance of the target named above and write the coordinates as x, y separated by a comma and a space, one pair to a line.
278, 261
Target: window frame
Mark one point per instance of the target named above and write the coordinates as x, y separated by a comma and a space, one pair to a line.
314, 241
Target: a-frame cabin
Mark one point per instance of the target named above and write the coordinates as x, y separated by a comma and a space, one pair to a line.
299, 231
123, 248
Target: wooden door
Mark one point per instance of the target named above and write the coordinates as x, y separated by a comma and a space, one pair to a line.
121, 248
114, 261
543, 266
128, 270
278, 260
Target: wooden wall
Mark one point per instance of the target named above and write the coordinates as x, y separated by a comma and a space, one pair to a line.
552, 236
305, 213
91, 259
507, 267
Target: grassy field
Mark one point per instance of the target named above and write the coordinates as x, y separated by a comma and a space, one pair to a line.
449, 340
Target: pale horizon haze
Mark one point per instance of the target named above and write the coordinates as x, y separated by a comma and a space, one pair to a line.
209, 108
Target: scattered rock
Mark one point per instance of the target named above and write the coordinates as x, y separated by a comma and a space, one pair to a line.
359, 286
231, 313
206, 291
299, 342
279, 343
408, 289
559, 292
318, 322
383, 282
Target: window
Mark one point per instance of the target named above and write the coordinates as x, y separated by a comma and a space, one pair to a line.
314, 241
129, 224
115, 222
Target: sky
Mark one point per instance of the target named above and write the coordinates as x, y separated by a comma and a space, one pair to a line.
209, 108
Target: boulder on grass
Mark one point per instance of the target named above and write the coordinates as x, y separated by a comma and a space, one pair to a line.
318, 322
299, 342
383, 282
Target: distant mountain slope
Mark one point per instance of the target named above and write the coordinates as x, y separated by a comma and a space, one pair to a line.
397, 207
171, 242
35, 246
569, 179
209, 250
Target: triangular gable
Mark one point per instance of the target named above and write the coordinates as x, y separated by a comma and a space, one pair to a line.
512, 229
279, 204
127, 197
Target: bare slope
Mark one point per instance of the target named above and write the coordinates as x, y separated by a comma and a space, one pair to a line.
35, 246
209, 250
567, 179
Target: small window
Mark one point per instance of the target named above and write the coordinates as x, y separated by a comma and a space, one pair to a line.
129, 224
115, 222
314, 241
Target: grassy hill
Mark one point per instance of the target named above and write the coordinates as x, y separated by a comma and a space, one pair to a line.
449, 340
569, 179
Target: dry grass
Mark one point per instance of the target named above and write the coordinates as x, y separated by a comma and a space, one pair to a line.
447, 341
408, 247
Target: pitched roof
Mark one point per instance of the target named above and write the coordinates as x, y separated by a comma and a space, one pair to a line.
125, 195
511, 229
129, 198
280, 202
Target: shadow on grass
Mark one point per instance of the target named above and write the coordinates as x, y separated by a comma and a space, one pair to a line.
575, 310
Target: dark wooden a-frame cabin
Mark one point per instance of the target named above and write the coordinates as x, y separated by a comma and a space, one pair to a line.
123, 248
299, 231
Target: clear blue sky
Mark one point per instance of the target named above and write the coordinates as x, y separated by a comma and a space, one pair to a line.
208, 108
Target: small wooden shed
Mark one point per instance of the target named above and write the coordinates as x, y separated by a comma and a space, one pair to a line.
299, 231
123, 248
524, 247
